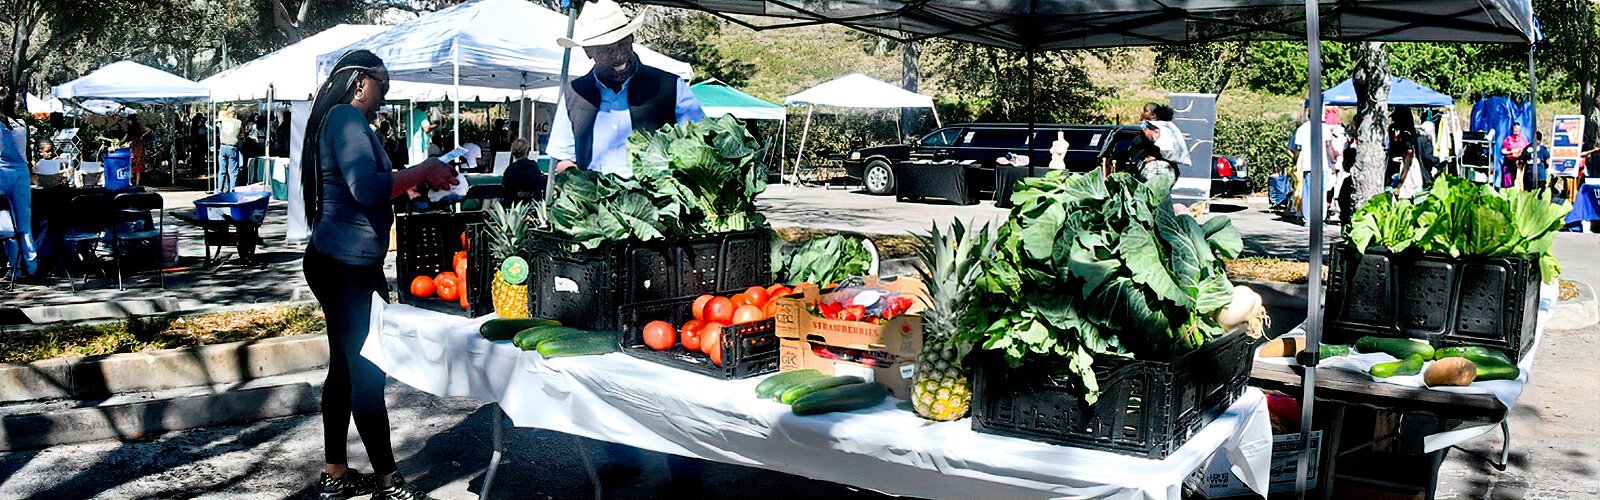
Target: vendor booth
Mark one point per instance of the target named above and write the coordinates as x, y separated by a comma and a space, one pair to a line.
128, 82
854, 90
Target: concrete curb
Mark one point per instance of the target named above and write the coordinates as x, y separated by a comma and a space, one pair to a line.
100, 376
37, 318
144, 416
1576, 314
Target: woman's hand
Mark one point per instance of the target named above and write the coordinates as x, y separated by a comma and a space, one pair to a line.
438, 174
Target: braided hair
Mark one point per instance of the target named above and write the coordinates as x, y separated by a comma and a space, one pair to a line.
338, 89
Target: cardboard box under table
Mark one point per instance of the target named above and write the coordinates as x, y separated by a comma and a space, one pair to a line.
885, 352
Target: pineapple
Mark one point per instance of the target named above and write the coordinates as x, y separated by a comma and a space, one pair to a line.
950, 269
508, 230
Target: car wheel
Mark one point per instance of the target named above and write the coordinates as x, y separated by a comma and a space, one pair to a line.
878, 178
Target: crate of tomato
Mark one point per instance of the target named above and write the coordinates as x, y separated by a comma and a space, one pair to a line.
728, 335
434, 269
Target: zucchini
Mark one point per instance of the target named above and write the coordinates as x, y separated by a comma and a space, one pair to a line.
1497, 371
530, 339
1474, 354
765, 388
843, 398
599, 343
794, 393
506, 329
1399, 348
776, 391
1412, 365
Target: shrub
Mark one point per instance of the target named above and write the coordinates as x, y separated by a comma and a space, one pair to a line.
1261, 142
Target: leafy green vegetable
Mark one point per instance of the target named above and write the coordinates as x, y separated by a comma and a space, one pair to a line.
1458, 217
1087, 266
823, 261
688, 179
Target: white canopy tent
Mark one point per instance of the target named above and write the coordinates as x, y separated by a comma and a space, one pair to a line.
38, 106
854, 90
131, 82
504, 44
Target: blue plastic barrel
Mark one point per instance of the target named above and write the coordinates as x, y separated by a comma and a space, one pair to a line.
119, 170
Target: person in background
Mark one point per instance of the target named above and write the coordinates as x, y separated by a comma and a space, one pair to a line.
1538, 161
1171, 154
199, 135
1426, 158
280, 136
1511, 148
348, 184
419, 134
136, 136
523, 179
619, 95
16, 182
1333, 144
228, 157
499, 138
47, 150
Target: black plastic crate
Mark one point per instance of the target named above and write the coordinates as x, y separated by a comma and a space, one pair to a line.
748, 349
1146, 408
585, 288
1447, 301
426, 243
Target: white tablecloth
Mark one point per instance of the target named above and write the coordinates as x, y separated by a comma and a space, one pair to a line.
622, 399
1507, 391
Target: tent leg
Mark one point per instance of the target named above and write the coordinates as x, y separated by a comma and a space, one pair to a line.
566, 62
801, 151
1313, 324
455, 81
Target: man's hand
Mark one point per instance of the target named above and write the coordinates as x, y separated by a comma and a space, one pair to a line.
563, 165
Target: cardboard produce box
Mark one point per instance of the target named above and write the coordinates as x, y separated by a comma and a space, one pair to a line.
1215, 478
885, 353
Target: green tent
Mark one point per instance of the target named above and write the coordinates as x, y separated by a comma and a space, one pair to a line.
719, 99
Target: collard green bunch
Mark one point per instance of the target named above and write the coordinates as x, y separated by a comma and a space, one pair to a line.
690, 178
1089, 266
1459, 217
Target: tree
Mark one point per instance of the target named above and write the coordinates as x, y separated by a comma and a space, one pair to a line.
39, 27
1572, 32
1206, 68
993, 84
689, 36
911, 80
1371, 122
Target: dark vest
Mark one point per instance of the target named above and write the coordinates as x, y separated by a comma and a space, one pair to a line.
652, 102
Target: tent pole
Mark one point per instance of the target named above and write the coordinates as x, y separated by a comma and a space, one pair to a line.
561, 91
455, 81
783, 147
1316, 190
522, 108
1033, 116
801, 151
936, 122
1533, 95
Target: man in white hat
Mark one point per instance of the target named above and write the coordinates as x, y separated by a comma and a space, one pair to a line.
620, 95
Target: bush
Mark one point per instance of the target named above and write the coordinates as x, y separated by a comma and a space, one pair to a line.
1261, 142
838, 131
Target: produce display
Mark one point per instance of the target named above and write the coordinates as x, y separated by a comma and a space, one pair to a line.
445, 286
703, 334
1444, 366
861, 304
549, 338
1088, 266
826, 261
809, 392
507, 329
1461, 218
688, 179
950, 268
507, 228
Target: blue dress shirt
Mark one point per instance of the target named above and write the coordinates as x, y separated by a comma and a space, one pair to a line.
612, 126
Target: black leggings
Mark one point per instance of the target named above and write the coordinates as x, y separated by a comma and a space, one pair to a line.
355, 385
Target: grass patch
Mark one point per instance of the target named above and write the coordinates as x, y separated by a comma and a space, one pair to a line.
890, 246
1569, 290
147, 334
1267, 269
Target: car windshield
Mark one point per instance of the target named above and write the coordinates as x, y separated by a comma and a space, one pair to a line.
944, 137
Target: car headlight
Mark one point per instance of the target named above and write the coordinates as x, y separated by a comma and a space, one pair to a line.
855, 155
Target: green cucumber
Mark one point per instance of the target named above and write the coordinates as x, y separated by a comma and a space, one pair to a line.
506, 329
843, 398
530, 339
1333, 350
1496, 371
1474, 354
777, 389
765, 388
587, 345
794, 393
1399, 348
1412, 365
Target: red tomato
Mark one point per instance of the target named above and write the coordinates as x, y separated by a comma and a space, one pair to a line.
771, 309
758, 296
690, 335
446, 276
739, 299
460, 264
711, 338
778, 291
659, 335
447, 290
699, 307
748, 314
422, 287
719, 310
716, 354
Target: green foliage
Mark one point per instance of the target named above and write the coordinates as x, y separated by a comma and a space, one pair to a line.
1087, 266
822, 261
1280, 67
1459, 217
999, 85
1261, 142
692, 178
689, 36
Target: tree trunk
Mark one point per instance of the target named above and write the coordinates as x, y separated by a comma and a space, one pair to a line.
1371, 121
910, 79
1588, 94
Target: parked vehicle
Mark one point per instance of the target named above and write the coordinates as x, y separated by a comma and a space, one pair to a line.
1090, 146
1228, 177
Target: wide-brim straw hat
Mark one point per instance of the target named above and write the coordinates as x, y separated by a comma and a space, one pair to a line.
601, 23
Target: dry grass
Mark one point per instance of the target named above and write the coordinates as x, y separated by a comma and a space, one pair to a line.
147, 334
1268, 269
1569, 290
890, 246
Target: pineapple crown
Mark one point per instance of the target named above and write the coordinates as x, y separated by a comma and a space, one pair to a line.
951, 266
508, 226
